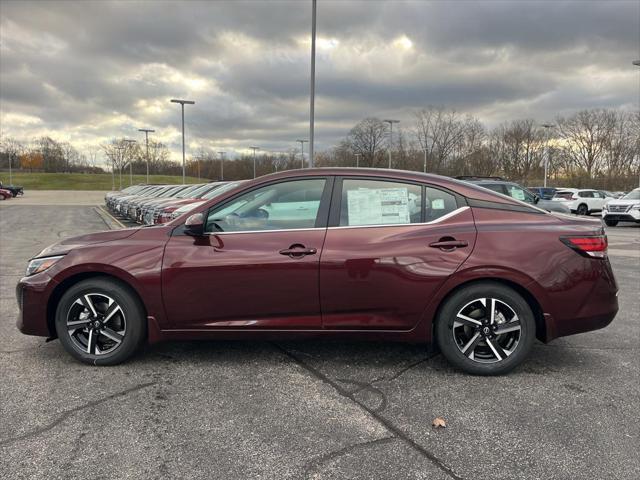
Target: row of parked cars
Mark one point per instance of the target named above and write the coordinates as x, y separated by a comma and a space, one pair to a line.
158, 204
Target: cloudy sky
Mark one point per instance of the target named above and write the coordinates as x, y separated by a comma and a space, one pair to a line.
89, 71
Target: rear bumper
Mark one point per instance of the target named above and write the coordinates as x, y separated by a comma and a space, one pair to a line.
32, 294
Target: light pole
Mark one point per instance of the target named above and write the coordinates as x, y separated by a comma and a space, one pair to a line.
182, 104
302, 142
147, 131
390, 122
637, 64
254, 159
130, 142
547, 127
221, 165
358, 155
312, 96
120, 149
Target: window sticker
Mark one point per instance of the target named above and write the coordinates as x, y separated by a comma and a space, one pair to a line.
517, 194
437, 204
379, 206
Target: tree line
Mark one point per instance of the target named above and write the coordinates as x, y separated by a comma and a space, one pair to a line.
598, 148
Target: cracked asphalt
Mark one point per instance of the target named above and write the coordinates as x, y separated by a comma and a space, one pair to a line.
241, 410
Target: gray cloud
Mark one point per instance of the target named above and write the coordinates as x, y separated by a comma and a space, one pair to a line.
93, 70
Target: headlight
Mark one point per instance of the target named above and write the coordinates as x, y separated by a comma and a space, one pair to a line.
38, 265
636, 207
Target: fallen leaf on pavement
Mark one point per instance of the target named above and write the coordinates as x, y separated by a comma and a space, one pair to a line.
439, 422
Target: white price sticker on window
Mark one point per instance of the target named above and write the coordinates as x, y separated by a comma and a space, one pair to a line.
378, 206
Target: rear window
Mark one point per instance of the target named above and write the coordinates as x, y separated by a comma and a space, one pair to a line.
565, 195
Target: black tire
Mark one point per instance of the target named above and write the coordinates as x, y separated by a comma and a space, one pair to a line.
583, 209
449, 344
129, 312
610, 223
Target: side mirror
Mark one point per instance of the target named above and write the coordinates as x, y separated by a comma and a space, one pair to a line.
194, 225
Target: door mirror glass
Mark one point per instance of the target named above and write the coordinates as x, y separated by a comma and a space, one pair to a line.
194, 225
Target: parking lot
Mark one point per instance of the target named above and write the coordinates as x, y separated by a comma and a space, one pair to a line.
310, 409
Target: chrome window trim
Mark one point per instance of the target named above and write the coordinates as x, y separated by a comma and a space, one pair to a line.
432, 222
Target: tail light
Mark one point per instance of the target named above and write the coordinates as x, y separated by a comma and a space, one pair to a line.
594, 246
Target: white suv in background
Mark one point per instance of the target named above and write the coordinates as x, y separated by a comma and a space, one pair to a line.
625, 209
582, 201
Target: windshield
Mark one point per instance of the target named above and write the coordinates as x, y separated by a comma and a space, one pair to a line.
633, 195
224, 187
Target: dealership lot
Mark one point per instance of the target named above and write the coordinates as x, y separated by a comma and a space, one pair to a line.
311, 409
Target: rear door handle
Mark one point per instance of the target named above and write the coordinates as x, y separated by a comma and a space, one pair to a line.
297, 251
449, 244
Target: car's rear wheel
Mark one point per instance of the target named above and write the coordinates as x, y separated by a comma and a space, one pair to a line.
582, 209
100, 322
610, 223
485, 329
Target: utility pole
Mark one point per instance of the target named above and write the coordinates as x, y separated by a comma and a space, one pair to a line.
358, 155
182, 104
302, 142
312, 96
254, 159
390, 122
637, 64
547, 127
221, 165
130, 142
147, 131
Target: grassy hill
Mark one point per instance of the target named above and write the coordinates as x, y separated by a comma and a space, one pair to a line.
84, 181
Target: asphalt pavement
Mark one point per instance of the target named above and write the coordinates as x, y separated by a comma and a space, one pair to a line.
270, 410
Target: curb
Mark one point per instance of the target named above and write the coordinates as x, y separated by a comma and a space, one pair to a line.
109, 220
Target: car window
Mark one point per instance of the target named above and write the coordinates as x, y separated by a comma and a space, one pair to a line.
588, 194
379, 202
519, 193
496, 187
438, 203
280, 206
597, 194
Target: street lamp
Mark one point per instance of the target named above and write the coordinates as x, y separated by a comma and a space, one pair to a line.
637, 64
182, 104
390, 122
302, 142
130, 142
358, 155
147, 131
254, 159
547, 127
312, 89
221, 165
120, 148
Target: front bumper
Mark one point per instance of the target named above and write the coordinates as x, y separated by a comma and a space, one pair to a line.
32, 294
632, 215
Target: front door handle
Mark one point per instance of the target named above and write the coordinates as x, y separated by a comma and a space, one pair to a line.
448, 244
297, 251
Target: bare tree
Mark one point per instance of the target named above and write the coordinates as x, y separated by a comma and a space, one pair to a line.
368, 138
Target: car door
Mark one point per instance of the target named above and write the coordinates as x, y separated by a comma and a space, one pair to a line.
389, 247
597, 202
256, 266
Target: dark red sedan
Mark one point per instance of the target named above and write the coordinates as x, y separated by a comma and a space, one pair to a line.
331, 253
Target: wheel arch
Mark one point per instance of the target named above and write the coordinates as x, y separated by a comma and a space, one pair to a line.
529, 297
64, 285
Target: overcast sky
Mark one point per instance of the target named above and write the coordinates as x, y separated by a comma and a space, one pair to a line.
89, 71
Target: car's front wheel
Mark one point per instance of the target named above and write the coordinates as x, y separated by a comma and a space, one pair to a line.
100, 321
485, 329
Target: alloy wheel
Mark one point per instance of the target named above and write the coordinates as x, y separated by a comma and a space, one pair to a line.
96, 324
487, 330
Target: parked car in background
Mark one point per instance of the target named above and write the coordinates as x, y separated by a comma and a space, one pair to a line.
331, 253
162, 213
5, 194
625, 209
581, 201
13, 189
516, 191
545, 193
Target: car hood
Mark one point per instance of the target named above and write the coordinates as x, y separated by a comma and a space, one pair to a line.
623, 202
69, 244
